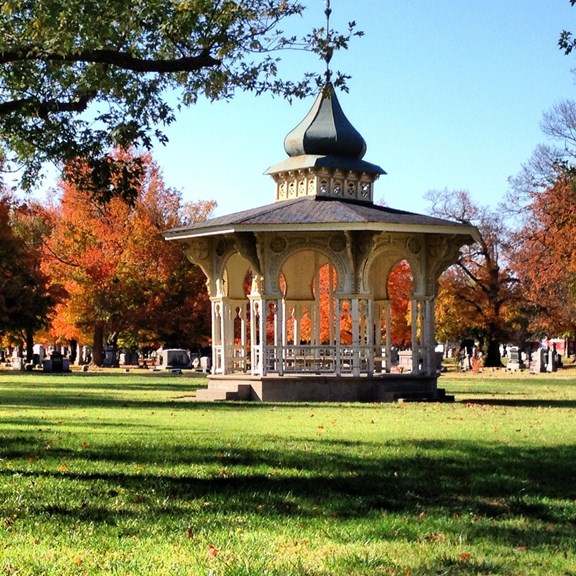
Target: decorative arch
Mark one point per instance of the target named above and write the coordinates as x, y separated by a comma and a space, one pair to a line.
379, 265
304, 257
299, 271
234, 270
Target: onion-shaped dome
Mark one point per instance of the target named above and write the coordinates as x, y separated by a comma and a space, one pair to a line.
325, 131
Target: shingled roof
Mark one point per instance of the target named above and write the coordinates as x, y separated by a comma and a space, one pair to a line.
326, 146
314, 213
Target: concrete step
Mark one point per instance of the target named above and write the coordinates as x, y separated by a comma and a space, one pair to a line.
208, 395
228, 392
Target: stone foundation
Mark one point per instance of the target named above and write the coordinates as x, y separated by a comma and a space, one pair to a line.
314, 388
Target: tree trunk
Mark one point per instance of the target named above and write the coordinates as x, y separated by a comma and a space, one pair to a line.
73, 351
29, 345
97, 343
493, 358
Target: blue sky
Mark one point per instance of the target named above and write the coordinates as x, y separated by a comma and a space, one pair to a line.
447, 94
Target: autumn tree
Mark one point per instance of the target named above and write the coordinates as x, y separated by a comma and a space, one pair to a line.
78, 79
400, 287
545, 259
124, 281
479, 290
11, 280
543, 198
27, 295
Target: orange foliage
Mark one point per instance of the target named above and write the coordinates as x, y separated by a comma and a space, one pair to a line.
545, 260
400, 286
400, 290
122, 277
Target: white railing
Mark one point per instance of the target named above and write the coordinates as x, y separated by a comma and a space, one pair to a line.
305, 358
302, 358
218, 359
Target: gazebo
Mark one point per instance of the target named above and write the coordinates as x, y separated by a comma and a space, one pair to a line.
301, 306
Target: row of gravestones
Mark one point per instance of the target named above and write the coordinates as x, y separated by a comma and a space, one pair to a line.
52, 362
55, 361
540, 360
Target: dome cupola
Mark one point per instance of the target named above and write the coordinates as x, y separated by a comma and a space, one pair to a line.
325, 156
325, 131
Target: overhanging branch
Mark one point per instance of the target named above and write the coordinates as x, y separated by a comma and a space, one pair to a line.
45, 107
123, 60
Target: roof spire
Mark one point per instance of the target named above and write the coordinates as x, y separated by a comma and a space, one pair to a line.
328, 49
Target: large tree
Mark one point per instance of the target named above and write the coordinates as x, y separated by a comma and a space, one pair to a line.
125, 283
544, 258
543, 197
79, 78
27, 295
480, 290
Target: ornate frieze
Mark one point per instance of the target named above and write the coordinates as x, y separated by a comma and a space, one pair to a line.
333, 183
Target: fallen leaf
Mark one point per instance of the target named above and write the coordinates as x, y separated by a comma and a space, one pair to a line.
213, 551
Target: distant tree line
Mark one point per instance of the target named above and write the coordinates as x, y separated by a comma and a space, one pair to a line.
76, 270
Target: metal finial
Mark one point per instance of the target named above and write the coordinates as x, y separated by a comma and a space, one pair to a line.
328, 50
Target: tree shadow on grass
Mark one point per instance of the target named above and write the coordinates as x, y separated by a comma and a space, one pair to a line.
405, 476
522, 402
104, 398
493, 492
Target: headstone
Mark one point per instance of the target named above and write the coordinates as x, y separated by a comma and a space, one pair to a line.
110, 359
515, 362
175, 358
18, 363
56, 363
205, 363
39, 353
439, 359
405, 360
537, 361
129, 358
552, 360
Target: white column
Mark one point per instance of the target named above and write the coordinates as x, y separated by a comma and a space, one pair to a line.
376, 323
227, 316
331, 305
415, 316
297, 316
279, 335
262, 320
368, 334
243, 331
388, 321
255, 340
428, 337
316, 315
338, 351
217, 336
355, 313
241, 352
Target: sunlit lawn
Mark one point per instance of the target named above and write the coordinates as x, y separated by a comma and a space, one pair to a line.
121, 473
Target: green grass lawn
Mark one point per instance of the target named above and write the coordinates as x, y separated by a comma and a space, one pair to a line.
120, 473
